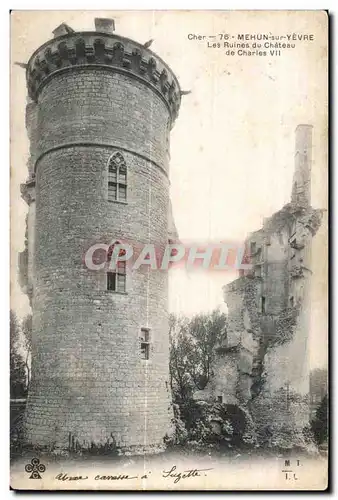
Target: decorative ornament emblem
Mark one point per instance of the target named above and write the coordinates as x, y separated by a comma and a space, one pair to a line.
35, 468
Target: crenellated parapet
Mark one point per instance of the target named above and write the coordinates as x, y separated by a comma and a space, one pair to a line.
104, 50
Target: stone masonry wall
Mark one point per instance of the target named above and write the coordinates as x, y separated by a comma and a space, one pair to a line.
88, 378
264, 361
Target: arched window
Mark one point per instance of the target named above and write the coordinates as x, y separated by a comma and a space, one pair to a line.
117, 178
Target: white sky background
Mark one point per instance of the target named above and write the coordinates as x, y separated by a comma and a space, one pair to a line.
232, 147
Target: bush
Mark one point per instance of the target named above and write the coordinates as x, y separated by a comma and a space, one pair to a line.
202, 425
17, 435
319, 425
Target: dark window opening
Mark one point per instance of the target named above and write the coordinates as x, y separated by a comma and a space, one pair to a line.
111, 281
258, 271
145, 343
116, 279
252, 247
291, 301
220, 399
263, 305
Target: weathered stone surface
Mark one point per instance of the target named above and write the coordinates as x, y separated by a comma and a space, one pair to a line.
268, 325
88, 379
71, 51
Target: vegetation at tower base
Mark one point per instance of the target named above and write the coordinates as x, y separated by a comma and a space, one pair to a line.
22, 360
319, 425
202, 424
18, 387
192, 351
199, 425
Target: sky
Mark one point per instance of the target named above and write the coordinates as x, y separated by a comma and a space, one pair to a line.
232, 146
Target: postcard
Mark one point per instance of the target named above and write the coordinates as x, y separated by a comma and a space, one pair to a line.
169, 250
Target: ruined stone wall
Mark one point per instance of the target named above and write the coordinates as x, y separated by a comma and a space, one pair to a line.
26, 257
301, 185
88, 378
31, 245
238, 358
31, 127
264, 362
275, 288
273, 377
292, 369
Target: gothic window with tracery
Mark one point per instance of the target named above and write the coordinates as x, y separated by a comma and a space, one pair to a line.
117, 178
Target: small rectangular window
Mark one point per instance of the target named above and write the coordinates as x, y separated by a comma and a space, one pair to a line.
220, 399
116, 280
111, 281
252, 247
258, 271
263, 305
145, 343
291, 301
144, 351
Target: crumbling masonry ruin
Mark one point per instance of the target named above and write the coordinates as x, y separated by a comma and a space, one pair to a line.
261, 369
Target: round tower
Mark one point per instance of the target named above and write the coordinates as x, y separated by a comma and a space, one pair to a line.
100, 355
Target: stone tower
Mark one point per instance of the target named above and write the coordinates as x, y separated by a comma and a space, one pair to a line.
99, 116
301, 187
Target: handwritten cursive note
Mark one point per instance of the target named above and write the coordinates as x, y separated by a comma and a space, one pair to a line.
173, 474
177, 476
